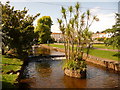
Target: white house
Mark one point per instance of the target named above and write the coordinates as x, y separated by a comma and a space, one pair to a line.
57, 36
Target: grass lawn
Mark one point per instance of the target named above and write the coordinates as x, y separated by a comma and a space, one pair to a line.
8, 64
98, 53
104, 54
103, 46
94, 45
54, 45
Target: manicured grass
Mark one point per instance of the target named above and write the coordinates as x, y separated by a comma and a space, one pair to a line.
103, 46
104, 54
8, 64
8, 81
98, 53
94, 45
54, 45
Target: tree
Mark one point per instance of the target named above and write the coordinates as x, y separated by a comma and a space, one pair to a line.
17, 29
74, 26
115, 31
43, 29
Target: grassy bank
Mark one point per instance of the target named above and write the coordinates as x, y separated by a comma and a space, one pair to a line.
8, 64
98, 53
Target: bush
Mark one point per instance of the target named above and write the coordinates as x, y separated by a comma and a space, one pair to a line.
74, 65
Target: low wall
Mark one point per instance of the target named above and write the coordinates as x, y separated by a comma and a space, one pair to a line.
53, 48
110, 64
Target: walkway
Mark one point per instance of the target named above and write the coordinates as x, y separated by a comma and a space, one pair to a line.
107, 49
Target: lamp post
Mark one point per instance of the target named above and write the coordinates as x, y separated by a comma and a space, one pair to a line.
48, 42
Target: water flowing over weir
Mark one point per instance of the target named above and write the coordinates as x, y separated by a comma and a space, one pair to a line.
48, 73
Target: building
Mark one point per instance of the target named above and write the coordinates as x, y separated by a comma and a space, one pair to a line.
101, 35
57, 36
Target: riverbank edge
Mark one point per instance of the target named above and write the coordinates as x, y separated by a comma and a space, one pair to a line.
107, 63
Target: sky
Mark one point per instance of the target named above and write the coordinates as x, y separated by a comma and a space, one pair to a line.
104, 9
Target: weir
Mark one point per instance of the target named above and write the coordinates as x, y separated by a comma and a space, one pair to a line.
47, 57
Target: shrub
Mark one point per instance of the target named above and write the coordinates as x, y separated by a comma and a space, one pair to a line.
74, 65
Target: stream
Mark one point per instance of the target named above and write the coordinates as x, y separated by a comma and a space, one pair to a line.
48, 73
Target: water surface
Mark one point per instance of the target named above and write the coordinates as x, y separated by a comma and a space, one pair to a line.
49, 74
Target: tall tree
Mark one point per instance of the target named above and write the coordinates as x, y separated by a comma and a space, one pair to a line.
17, 29
43, 29
115, 31
74, 26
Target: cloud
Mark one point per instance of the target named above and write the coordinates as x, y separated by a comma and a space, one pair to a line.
95, 10
106, 20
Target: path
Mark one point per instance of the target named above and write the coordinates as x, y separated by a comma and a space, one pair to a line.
107, 49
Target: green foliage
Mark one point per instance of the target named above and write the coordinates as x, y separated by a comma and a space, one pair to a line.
75, 29
17, 29
115, 39
74, 65
8, 81
74, 26
43, 29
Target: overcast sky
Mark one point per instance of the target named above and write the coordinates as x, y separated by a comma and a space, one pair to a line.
104, 9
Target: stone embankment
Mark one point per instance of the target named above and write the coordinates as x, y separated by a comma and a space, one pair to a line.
110, 64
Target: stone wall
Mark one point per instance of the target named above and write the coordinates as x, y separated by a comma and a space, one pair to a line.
110, 64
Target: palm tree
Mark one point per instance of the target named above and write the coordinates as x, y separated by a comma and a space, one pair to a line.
64, 14
62, 28
75, 29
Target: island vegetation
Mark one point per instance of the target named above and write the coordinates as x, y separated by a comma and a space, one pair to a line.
74, 26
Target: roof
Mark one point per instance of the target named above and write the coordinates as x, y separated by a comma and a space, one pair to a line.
56, 33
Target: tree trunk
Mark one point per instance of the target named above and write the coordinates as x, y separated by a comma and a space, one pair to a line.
68, 49
3, 51
65, 47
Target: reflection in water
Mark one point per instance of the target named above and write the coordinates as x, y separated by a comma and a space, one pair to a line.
49, 74
41, 51
74, 82
43, 69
